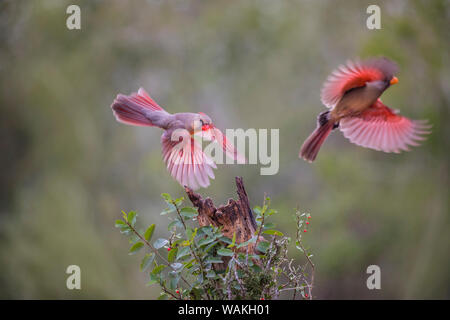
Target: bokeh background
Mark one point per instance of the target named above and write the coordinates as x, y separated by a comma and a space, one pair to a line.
68, 168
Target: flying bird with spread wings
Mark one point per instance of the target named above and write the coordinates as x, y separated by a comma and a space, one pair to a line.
181, 145
352, 93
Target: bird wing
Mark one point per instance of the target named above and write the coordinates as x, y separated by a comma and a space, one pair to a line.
353, 75
227, 146
144, 99
185, 160
380, 128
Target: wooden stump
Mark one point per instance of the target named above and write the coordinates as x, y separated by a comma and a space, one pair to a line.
235, 216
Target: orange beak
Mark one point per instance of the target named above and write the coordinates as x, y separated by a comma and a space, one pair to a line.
394, 80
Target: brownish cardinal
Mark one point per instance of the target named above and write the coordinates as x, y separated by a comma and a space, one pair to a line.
352, 93
182, 152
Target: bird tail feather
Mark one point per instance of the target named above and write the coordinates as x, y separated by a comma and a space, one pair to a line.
311, 146
135, 108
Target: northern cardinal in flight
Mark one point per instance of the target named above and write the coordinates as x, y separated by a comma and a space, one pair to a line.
182, 152
352, 94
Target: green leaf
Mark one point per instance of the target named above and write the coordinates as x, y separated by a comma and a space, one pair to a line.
152, 281
241, 257
136, 247
256, 268
225, 239
171, 208
185, 251
233, 241
120, 223
177, 242
158, 269
212, 244
246, 243
154, 278
173, 280
206, 230
204, 242
211, 274
269, 226
237, 286
125, 231
214, 260
188, 212
172, 254
263, 246
189, 264
132, 218
185, 243
147, 261
175, 223
163, 296
225, 252
190, 234
273, 232
297, 245
149, 232
179, 201
166, 197
159, 243
123, 227
176, 266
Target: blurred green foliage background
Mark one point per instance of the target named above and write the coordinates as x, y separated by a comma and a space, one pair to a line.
68, 168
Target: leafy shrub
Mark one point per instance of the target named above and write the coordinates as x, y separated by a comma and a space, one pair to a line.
196, 263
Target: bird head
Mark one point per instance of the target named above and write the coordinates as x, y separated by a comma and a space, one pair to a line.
384, 84
205, 121
203, 125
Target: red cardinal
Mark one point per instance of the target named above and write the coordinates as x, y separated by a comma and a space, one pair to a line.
182, 153
352, 93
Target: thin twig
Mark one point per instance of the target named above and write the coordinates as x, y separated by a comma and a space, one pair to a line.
200, 262
153, 248
263, 211
300, 243
237, 276
163, 287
